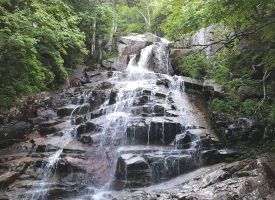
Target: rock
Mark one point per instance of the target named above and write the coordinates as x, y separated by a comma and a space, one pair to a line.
132, 49
246, 92
132, 170
66, 110
104, 85
207, 87
158, 62
164, 82
86, 139
48, 114
79, 76
156, 132
7, 178
88, 127
177, 54
42, 148
83, 109
48, 129
73, 110
133, 43
119, 63
252, 178
113, 96
183, 141
201, 37
63, 167
22, 126
97, 98
50, 123
214, 156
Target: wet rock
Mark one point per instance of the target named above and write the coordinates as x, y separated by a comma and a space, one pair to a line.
79, 120
252, 178
104, 85
183, 141
113, 96
41, 148
133, 170
86, 139
214, 156
47, 128
141, 101
96, 114
159, 110
160, 95
59, 134
88, 127
48, 114
159, 63
167, 165
7, 178
153, 133
63, 167
164, 82
97, 98
83, 109
66, 110
50, 123
73, 110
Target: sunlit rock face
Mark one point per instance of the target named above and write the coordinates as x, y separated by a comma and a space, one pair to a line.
122, 129
157, 53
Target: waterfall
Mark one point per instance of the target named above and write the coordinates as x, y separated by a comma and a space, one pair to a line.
138, 128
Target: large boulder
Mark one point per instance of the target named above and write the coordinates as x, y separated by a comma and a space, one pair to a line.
133, 43
133, 170
118, 63
246, 92
79, 76
176, 54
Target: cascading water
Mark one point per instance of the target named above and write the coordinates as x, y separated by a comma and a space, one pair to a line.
140, 128
140, 84
47, 170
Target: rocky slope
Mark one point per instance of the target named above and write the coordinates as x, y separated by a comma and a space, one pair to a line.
115, 130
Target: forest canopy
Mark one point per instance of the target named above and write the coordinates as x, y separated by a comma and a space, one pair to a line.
41, 41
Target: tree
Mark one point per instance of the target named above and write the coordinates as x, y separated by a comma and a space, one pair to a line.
35, 39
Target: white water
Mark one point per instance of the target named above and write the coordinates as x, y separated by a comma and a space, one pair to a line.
118, 116
139, 78
40, 192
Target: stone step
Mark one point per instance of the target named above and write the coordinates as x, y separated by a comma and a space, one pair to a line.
73, 110
136, 170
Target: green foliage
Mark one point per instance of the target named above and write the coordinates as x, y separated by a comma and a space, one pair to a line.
193, 91
221, 74
35, 39
194, 65
90, 12
110, 54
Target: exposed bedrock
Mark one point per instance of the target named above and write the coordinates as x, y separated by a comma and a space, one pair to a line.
125, 129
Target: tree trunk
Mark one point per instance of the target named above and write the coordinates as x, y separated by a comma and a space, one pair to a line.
109, 45
93, 42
